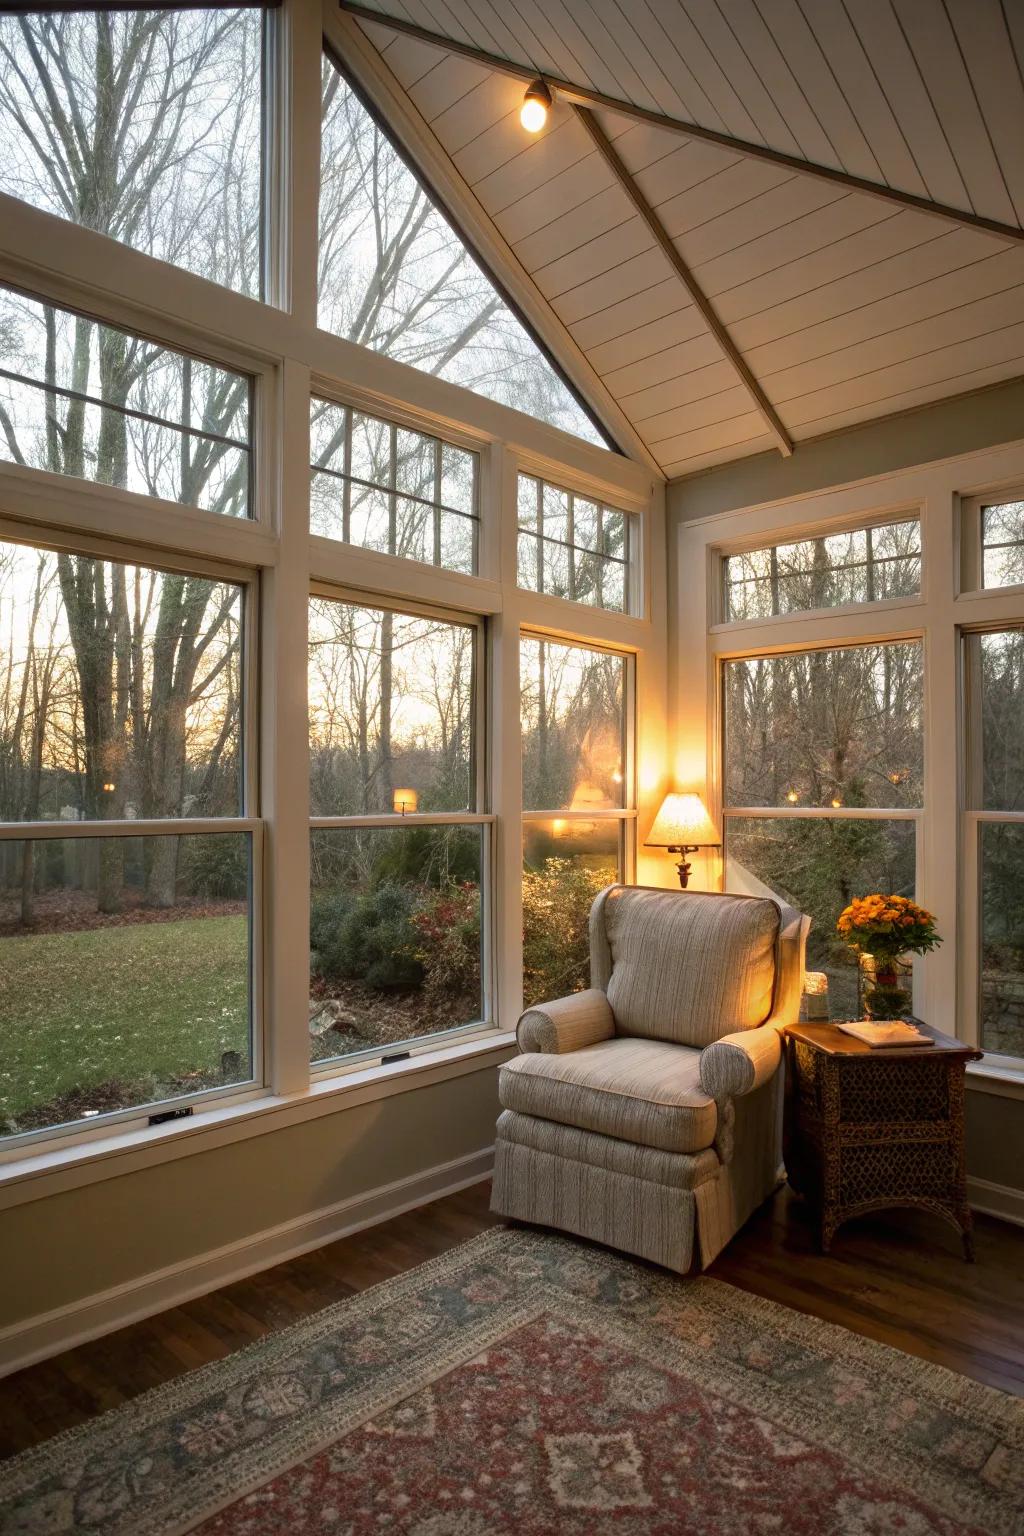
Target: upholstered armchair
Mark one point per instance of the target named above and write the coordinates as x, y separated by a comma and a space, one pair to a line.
646, 1112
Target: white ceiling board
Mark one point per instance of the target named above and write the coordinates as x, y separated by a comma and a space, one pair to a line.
841, 304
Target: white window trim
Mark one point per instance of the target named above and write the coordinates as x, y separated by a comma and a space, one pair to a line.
936, 492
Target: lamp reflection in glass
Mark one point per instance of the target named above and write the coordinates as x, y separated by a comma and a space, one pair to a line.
816, 996
405, 800
683, 826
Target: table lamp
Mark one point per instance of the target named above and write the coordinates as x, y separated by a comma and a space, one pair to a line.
683, 826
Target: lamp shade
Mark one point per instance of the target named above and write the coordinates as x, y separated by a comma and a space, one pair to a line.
683, 822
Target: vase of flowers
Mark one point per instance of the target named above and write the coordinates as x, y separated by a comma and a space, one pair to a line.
883, 930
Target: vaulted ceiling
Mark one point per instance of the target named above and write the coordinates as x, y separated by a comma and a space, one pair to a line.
732, 303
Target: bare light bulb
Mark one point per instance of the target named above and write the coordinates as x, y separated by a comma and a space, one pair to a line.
533, 113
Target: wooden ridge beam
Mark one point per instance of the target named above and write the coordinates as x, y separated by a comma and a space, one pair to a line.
585, 96
665, 242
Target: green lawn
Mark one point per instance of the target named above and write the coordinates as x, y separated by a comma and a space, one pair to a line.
140, 1005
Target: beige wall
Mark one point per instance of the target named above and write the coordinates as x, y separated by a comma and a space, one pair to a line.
995, 1139
68, 1246
952, 427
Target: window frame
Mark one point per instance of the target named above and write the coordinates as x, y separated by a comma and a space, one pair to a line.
249, 821
481, 816
403, 421
971, 569
630, 562
626, 816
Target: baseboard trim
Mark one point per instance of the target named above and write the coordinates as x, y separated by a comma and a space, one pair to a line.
36, 1338
1000, 1200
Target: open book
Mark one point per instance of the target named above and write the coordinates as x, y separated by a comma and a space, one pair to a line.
879, 1033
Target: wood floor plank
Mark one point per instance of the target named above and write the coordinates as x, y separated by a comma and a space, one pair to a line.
897, 1278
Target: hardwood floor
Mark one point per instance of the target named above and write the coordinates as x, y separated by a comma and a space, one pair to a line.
898, 1278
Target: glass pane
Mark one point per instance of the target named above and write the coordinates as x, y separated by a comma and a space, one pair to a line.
458, 479
829, 727
529, 574
395, 276
586, 523
391, 706
818, 865
556, 569
565, 864
555, 511
1002, 541
1002, 938
862, 565
109, 1000
996, 664
529, 491
406, 520
144, 125
123, 690
99, 404
573, 720
394, 936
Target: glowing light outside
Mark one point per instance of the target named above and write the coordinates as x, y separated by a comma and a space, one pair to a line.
405, 800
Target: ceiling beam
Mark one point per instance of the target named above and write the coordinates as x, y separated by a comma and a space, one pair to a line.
664, 240
585, 96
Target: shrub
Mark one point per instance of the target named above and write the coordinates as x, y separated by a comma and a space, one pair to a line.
368, 937
556, 910
218, 868
448, 925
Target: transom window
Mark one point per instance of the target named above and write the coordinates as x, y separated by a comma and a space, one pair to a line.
863, 565
387, 488
97, 403
1002, 544
575, 547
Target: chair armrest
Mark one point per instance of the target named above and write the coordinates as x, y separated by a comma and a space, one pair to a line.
737, 1064
567, 1024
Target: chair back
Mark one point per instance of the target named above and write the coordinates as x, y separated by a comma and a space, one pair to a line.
687, 966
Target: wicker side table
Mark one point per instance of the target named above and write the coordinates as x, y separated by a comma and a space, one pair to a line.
865, 1130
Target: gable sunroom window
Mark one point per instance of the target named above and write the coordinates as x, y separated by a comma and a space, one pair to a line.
396, 276
388, 488
399, 838
128, 855
144, 125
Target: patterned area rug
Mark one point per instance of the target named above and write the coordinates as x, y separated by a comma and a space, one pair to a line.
527, 1383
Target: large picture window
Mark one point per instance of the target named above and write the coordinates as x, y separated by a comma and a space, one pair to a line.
578, 821
823, 783
87, 400
142, 124
126, 866
399, 842
995, 799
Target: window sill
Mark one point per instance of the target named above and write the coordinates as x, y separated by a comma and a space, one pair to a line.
89, 1162
1003, 1082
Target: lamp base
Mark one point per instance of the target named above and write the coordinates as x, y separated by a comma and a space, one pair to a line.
684, 866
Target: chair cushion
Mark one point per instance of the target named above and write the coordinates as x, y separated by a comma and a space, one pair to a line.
688, 966
644, 1091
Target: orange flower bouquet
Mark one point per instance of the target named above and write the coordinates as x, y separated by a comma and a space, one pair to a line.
886, 927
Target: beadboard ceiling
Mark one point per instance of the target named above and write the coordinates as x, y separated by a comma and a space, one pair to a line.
840, 306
